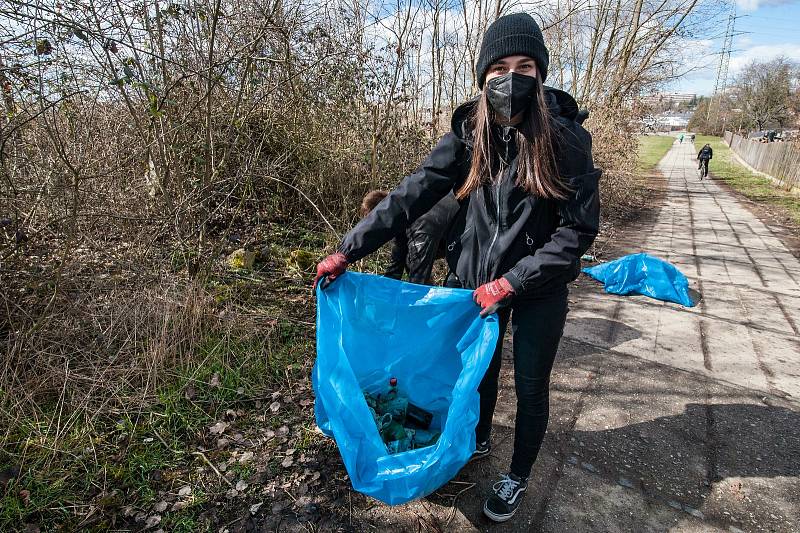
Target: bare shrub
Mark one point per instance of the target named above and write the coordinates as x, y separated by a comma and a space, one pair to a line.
615, 151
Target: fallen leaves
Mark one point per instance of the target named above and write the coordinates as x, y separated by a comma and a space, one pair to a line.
189, 393
152, 521
218, 428
160, 507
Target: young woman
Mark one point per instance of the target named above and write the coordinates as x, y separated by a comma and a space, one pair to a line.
522, 170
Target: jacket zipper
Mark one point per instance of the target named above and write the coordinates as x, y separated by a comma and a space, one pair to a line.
506, 139
494, 238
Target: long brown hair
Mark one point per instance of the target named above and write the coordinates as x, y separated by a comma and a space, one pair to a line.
536, 168
372, 199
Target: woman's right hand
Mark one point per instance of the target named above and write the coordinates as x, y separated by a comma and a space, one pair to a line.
332, 266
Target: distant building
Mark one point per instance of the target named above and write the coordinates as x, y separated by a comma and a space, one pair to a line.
666, 122
665, 98
672, 123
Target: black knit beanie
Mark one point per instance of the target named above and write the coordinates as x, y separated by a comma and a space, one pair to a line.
516, 34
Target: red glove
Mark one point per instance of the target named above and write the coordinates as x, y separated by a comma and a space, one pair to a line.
332, 266
493, 295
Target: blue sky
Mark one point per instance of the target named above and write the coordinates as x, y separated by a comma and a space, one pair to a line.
769, 28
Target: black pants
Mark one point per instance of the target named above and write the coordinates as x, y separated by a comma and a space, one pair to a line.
421, 255
414, 253
537, 326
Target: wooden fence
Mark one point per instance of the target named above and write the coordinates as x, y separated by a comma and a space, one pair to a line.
780, 160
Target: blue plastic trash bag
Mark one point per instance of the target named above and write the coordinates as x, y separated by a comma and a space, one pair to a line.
643, 274
371, 328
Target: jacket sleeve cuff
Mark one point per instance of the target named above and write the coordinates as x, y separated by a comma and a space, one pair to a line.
350, 258
514, 281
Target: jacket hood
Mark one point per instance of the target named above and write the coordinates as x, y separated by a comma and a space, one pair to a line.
559, 103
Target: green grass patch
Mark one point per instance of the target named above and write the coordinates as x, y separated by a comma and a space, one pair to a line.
109, 461
757, 188
652, 148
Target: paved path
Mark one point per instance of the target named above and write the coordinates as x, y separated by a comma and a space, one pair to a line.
664, 418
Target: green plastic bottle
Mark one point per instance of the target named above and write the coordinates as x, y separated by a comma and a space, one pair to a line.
393, 431
396, 403
392, 394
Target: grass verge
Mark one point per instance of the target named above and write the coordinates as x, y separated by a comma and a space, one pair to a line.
123, 468
757, 188
652, 148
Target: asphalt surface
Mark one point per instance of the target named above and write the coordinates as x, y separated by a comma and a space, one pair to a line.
663, 418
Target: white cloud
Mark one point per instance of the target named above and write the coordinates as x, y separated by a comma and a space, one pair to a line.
763, 52
752, 5
747, 5
701, 80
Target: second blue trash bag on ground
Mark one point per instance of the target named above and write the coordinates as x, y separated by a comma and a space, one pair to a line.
643, 274
371, 328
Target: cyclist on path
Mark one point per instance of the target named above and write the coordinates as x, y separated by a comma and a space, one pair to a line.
704, 156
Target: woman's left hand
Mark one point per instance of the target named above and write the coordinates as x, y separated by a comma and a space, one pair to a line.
493, 295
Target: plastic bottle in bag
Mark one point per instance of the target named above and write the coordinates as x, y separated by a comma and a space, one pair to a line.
393, 431
396, 403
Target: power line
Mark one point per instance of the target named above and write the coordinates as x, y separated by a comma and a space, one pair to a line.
724, 60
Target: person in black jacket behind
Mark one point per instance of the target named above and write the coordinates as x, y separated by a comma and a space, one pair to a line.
704, 156
521, 168
415, 250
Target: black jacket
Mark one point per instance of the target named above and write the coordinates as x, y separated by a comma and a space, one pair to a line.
705, 153
500, 229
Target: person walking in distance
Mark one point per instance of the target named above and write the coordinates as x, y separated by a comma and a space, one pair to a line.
521, 168
704, 156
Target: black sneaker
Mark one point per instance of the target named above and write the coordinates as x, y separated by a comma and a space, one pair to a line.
508, 492
482, 449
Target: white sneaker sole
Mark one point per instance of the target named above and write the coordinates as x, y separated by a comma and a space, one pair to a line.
496, 517
479, 457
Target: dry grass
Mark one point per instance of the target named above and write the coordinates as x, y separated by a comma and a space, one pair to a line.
622, 188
